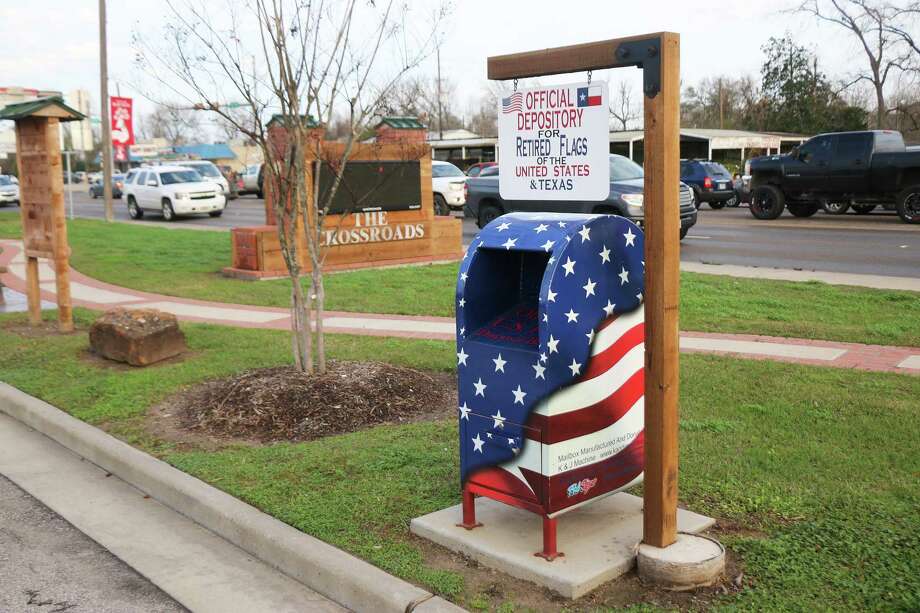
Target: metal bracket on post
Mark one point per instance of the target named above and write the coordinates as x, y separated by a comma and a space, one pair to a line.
645, 54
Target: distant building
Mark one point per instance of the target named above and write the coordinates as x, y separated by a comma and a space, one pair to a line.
14, 95
81, 132
464, 148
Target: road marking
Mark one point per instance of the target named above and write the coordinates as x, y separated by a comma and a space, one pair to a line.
912, 361
705, 238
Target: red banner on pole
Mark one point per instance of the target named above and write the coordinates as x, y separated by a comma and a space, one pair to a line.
121, 112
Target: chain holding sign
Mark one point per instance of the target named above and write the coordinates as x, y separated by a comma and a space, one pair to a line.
554, 143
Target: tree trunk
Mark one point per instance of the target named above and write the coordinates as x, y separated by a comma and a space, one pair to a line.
319, 290
881, 114
300, 336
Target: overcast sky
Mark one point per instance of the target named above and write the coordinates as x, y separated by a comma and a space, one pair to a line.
54, 44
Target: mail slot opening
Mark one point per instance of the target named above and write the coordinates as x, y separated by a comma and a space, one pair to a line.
506, 311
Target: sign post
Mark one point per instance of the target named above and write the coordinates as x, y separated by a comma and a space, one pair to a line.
41, 182
658, 57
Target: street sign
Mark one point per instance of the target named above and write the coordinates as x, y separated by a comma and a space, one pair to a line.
554, 143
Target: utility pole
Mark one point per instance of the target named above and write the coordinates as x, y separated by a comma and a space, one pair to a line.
721, 106
106, 123
440, 119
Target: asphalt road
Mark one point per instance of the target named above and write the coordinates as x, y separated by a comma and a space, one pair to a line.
878, 243
47, 565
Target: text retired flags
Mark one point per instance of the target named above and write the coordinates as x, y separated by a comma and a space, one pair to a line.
554, 143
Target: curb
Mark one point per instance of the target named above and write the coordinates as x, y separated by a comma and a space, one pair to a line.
335, 574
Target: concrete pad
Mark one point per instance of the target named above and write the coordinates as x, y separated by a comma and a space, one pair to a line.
784, 350
690, 562
392, 325
193, 565
81, 291
912, 361
181, 309
599, 540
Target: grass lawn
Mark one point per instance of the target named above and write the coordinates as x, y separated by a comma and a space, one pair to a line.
187, 263
814, 471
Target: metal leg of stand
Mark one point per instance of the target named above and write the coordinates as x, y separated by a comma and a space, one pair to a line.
469, 511
549, 552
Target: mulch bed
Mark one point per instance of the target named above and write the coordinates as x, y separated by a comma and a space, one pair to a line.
283, 404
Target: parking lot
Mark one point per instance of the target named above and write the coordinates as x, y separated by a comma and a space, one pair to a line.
877, 243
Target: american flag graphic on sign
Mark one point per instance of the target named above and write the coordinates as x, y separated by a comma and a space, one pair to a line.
550, 352
513, 103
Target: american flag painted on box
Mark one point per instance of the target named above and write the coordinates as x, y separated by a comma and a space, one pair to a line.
550, 351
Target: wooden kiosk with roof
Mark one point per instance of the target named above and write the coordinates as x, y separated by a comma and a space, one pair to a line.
382, 214
41, 184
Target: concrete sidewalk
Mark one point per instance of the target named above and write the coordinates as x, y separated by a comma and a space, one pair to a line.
93, 294
194, 566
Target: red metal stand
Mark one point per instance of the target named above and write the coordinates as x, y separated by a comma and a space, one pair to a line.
549, 552
469, 510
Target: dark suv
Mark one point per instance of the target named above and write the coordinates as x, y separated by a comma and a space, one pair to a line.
710, 182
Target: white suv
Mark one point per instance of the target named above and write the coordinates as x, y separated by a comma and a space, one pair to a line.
209, 172
447, 183
173, 191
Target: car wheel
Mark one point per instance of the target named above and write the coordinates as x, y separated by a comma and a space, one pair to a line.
216, 213
864, 209
804, 209
487, 214
134, 211
260, 195
767, 202
696, 199
732, 202
717, 205
683, 233
92, 194
440, 205
908, 205
168, 213
835, 208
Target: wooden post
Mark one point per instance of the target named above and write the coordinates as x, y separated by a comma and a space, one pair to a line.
662, 290
60, 250
659, 57
44, 225
33, 292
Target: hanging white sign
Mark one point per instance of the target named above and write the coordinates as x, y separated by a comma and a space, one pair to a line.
554, 143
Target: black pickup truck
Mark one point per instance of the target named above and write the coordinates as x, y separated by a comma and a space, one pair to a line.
484, 203
862, 169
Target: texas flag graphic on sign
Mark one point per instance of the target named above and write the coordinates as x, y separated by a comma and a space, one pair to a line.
589, 96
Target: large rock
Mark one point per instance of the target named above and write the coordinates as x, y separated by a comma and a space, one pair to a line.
137, 336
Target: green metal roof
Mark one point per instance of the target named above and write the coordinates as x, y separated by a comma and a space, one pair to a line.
311, 123
402, 123
21, 110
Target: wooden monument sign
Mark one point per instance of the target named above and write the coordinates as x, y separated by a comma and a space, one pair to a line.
41, 184
382, 213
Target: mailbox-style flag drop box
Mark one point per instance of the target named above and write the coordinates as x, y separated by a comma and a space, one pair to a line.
550, 361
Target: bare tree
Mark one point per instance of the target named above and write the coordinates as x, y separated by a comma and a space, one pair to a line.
871, 23
622, 105
178, 126
307, 62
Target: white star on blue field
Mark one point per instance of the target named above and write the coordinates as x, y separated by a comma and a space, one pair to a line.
531, 292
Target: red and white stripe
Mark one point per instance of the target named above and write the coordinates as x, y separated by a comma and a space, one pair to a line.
592, 429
